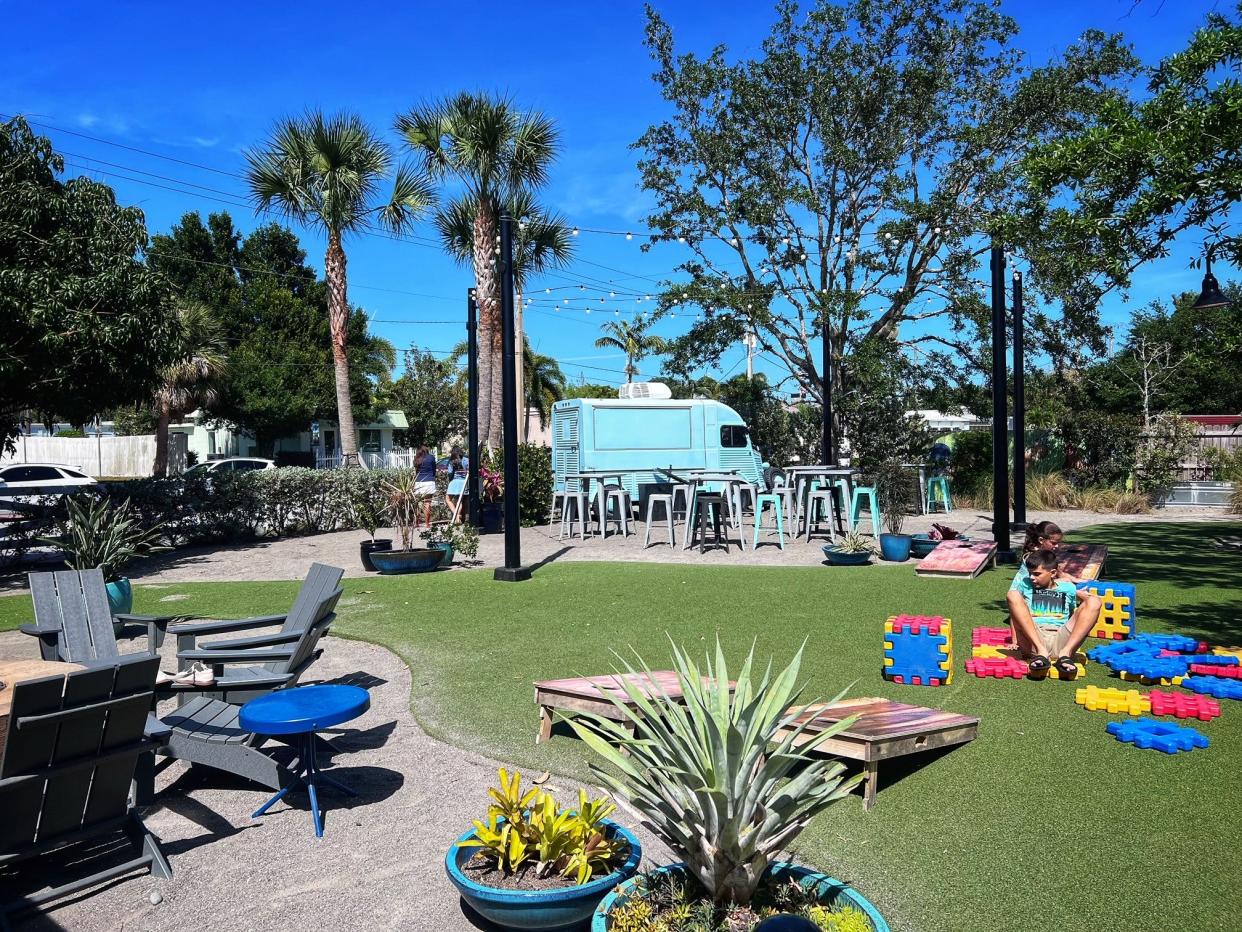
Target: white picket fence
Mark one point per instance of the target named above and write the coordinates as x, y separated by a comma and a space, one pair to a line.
100, 456
391, 459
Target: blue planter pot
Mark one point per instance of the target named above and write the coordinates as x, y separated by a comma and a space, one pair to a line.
120, 596
827, 890
921, 544
539, 909
448, 553
839, 558
397, 562
895, 547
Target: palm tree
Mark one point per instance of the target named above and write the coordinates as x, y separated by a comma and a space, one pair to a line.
324, 172
189, 380
495, 151
542, 241
544, 385
631, 338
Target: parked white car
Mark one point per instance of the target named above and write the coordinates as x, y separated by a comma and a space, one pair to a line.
42, 479
230, 465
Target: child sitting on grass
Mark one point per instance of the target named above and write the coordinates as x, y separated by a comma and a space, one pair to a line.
1050, 617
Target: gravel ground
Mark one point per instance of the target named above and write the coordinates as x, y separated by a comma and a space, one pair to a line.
288, 558
379, 864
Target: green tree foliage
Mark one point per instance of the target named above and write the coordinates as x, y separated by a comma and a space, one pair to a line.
883, 386
544, 383
851, 172
1149, 168
84, 323
631, 337
584, 389
432, 393
273, 312
190, 379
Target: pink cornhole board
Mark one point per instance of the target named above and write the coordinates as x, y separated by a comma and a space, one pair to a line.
958, 559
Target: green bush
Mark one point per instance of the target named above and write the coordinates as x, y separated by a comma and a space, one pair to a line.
971, 465
535, 481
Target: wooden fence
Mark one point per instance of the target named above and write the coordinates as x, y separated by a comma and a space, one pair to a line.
100, 456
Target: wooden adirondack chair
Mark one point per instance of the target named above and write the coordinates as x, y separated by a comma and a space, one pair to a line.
72, 748
253, 666
74, 622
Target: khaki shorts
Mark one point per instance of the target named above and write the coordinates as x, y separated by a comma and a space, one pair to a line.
1055, 638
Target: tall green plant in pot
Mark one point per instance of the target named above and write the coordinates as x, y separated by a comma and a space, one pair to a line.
403, 505
895, 486
98, 533
718, 777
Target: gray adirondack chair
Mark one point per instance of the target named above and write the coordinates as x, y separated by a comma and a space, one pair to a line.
74, 622
72, 747
205, 729
253, 666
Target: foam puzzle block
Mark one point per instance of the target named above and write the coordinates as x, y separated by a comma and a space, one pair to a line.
990, 650
1215, 686
1118, 610
996, 637
1227, 651
1229, 673
1148, 733
1111, 699
999, 667
1177, 642
1179, 705
918, 649
1212, 660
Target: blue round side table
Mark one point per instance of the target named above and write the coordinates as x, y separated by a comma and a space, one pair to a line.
302, 711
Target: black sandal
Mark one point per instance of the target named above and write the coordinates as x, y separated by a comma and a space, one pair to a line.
1039, 664
1066, 667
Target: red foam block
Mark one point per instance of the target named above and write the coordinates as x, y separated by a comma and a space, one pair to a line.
1212, 669
999, 667
1182, 705
989, 637
918, 624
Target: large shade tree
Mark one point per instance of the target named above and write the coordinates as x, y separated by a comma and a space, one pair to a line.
326, 172
850, 173
493, 151
85, 325
543, 385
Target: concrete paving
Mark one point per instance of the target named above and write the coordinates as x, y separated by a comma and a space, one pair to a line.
380, 864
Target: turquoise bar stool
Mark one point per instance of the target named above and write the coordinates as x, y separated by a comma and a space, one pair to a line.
938, 484
865, 492
776, 500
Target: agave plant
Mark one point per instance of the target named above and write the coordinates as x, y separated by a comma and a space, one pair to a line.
101, 534
710, 776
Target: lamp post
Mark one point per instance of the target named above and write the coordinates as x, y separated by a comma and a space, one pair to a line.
828, 441
512, 571
1211, 296
1000, 430
1019, 408
472, 390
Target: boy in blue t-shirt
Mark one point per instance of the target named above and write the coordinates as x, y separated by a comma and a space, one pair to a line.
1050, 616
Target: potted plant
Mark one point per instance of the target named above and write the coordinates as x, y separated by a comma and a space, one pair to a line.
492, 482
853, 549
533, 865
452, 539
721, 780
367, 510
895, 485
923, 544
402, 503
98, 533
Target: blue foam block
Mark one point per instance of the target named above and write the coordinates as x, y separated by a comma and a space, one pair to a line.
1148, 733
1214, 686
917, 655
1167, 641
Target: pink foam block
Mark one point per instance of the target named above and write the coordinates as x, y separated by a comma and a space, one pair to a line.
1212, 669
999, 667
989, 637
918, 624
1181, 705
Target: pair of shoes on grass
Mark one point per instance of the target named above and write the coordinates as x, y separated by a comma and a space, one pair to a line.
1064, 665
198, 676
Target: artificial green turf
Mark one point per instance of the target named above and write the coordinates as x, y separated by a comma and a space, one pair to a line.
1043, 821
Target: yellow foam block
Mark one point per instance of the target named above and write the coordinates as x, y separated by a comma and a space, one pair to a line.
990, 650
1149, 681
1227, 651
1080, 664
1110, 699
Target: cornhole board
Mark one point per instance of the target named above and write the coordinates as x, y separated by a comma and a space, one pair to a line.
884, 729
1086, 561
590, 694
958, 559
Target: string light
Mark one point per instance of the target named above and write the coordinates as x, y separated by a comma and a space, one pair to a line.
575, 231
629, 235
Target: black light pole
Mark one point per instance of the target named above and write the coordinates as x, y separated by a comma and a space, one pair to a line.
828, 444
1211, 296
472, 382
1019, 409
1000, 430
512, 571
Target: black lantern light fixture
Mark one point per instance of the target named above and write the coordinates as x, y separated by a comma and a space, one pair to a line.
1211, 296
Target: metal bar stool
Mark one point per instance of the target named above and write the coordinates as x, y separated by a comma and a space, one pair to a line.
819, 505
865, 492
709, 506
777, 502
665, 500
575, 502
617, 494
938, 484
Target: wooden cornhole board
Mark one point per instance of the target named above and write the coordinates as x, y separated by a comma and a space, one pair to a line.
958, 559
13, 672
885, 729
1086, 561
582, 694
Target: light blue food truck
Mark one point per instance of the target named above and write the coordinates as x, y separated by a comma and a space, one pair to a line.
637, 437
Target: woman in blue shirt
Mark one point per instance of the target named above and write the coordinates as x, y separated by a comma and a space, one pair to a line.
425, 480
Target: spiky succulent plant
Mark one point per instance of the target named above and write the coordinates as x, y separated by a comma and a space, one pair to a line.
712, 775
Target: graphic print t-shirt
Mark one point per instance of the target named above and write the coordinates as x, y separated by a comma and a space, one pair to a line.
1051, 606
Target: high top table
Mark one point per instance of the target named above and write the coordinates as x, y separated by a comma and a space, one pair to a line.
699, 477
599, 477
802, 477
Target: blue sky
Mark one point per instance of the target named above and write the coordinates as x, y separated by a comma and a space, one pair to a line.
201, 84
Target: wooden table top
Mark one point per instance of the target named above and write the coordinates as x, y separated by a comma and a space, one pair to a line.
660, 683
881, 719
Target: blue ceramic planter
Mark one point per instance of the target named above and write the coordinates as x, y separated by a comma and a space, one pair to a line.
840, 558
120, 596
396, 562
895, 547
827, 890
448, 553
921, 544
539, 909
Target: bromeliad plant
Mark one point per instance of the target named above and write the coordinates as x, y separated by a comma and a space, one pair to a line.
403, 504
711, 776
855, 542
98, 533
528, 830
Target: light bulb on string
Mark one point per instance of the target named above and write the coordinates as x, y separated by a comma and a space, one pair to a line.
681, 239
547, 291
629, 235
612, 294
575, 231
